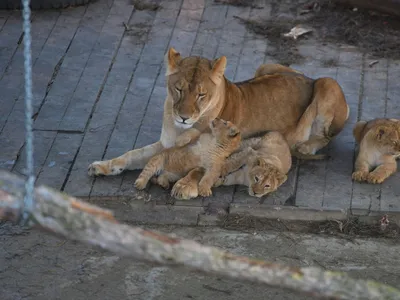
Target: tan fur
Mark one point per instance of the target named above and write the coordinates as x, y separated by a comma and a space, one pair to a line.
208, 151
379, 146
262, 166
307, 112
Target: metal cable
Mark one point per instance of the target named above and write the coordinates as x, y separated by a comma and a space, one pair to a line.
29, 186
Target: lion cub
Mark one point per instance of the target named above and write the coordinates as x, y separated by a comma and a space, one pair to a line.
379, 146
208, 152
262, 165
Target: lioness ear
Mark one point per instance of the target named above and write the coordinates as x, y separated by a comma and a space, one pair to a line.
172, 59
218, 69
233, 131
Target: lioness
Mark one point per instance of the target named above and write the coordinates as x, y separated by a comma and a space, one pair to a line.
307, 112
208, 152
263, 167
379, 146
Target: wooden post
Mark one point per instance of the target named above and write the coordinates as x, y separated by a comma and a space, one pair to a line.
63, 215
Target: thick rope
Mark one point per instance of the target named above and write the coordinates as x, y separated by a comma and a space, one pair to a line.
28, 200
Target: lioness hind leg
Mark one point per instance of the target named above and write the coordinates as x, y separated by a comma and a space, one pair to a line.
314, 144
328, 113
131, 160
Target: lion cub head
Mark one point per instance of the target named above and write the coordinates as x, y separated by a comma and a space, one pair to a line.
264, 178
388, 138
227, 135
192, 84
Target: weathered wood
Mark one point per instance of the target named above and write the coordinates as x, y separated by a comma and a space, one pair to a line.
66, 216
391, 7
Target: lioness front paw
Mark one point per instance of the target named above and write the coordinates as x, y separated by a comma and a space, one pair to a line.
305, 149
140, 183
204, 191
360, 176
375, 178
97, 168
184, 190
104, 168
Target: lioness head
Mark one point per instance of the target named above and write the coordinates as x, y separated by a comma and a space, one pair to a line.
227, 134
192, 83
389, 138
263, 178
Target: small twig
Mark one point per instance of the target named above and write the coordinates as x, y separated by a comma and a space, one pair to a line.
127, 28
372, 63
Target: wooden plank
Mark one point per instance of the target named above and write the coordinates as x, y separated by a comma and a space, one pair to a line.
59, 160
13, 78
42, 143
338, 183
366, 197
96, 70
73, 64
390, 193
142, 79
210, 30
310, 174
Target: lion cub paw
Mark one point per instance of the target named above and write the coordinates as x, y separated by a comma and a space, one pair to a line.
375, 178
184, 190
204, 191
360, 176
182, 140
140, 183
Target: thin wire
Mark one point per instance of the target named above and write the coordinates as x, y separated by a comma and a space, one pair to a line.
29, 186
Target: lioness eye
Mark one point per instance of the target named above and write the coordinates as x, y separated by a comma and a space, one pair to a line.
178, 90
201, 96
256, 179
267, 186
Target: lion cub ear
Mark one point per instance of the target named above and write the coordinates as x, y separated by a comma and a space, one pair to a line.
218, 70
259, 162
233, 131
380, 132
358, 129
172, 59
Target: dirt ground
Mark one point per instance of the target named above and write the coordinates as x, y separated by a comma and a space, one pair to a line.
35, 265
371, 32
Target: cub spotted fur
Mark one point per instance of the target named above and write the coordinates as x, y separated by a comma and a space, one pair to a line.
379, 146
263, 166
208, 152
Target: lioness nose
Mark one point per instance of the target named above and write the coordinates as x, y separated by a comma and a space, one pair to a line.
183, 119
